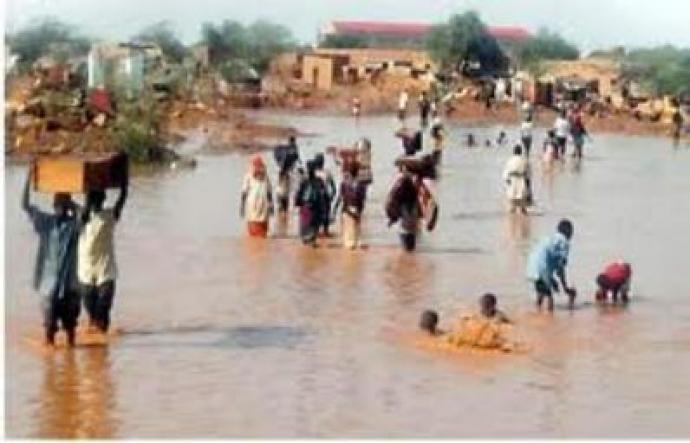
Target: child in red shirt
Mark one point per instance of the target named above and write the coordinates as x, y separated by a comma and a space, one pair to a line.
616, 280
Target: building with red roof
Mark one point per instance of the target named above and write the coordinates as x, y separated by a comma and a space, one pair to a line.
408, 33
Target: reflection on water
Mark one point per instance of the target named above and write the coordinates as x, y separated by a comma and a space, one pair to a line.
247, 337
226, 336
77, 396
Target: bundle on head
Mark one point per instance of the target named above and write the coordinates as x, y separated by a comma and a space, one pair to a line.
285, 157
424, 166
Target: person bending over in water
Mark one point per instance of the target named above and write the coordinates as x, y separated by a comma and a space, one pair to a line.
549, 257
614, 280
56, 261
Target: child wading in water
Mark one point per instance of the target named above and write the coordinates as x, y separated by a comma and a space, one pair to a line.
548, 258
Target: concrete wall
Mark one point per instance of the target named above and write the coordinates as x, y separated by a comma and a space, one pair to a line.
605, 71
318, 71
363, 56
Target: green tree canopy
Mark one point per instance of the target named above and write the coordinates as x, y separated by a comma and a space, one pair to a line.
256, 43
465, 38
163, 35
44, 37
547, 45
664, 69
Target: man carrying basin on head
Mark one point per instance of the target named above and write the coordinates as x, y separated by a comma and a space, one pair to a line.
54, 272
547, 261
96, 268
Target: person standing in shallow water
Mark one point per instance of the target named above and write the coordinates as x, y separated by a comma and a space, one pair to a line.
97, 268
56, 259
286, 157
403, 98
256, 202
402, 207
352, 195
327, 177
578, 132
677, 124
312, 203
517, 176
548, 260
424, 110
526, 134
438, 134
561, 127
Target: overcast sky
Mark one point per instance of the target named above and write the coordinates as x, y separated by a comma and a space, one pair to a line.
588, 23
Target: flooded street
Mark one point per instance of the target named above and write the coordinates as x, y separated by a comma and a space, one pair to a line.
224, 336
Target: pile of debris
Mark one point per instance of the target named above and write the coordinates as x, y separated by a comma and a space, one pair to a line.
55, 117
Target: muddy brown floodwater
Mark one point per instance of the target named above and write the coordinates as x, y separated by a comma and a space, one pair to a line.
227, 337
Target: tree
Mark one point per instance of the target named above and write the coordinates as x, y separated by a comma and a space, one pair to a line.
546, 45
41, 38
163, 35
257, 43
266, 40
465, 38
664, 69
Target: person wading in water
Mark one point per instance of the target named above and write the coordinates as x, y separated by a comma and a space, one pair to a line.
311, 199
56, 259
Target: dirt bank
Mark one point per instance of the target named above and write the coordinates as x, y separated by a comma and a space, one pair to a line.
227, 129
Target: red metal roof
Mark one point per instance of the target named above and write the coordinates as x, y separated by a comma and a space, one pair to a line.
414, 30
509, 32
398, 29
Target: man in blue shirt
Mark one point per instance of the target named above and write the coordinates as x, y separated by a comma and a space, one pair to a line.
54, 272
549, 257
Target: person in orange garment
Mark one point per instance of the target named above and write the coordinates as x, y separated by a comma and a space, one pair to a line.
481, 330
615, 279
256, 203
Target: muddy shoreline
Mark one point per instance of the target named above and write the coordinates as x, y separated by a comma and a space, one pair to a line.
474, 114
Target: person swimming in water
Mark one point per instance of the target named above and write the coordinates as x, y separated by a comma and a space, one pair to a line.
481, 330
